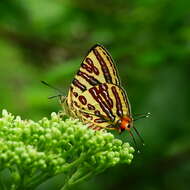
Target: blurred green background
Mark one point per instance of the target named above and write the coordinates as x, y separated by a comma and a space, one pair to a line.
150, 43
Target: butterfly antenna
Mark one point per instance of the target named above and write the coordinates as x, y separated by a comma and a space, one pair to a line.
54, 96
131, 134
138, 134
58, 90
140, 116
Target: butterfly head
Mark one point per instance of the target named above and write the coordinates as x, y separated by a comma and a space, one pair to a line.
125, 124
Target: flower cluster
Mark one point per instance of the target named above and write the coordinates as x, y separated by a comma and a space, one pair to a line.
36, 151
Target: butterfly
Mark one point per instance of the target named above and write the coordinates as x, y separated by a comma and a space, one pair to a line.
96, 96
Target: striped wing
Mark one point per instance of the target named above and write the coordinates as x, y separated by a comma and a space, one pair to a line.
102, 105
96, 68
95, 95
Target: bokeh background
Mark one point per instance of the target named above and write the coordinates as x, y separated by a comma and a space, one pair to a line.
150, 43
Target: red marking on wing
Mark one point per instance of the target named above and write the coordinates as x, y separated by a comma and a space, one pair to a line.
97, 113
83, 100
87, 116
99, 120
79, 85
90, 79
112, 64
91, 107
90, 67
96, 94
104, 67
75, 94
103, 89
118, 102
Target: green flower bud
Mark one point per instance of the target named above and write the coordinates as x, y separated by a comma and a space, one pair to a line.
50, 147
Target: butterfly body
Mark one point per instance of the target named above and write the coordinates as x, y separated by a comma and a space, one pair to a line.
96, 96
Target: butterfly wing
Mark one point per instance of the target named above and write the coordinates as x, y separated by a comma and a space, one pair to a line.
96, 89
96, 68
102, 105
